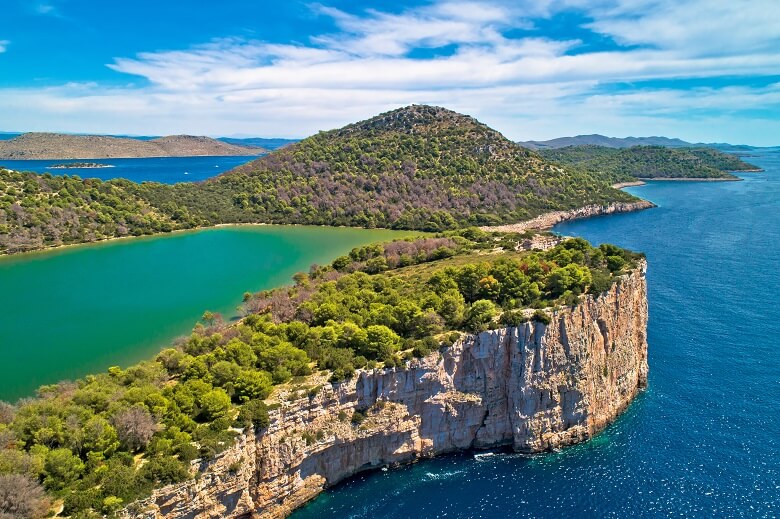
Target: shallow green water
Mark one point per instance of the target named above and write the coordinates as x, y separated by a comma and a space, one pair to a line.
73, 311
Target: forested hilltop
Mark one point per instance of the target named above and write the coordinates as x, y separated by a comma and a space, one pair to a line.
419, 167
101, 442
647, 162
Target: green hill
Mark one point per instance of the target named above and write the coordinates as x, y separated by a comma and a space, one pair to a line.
419, 167
649, 162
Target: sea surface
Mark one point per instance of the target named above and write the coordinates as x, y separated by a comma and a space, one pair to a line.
166, 170
77, 310
703, 440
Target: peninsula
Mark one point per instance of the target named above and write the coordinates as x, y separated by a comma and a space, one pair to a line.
394, 352
621, 165
56, 146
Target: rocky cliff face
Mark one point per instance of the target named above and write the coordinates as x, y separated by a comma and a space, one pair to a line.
534, 387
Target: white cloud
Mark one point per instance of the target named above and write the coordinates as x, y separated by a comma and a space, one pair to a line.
529, 87
4, 45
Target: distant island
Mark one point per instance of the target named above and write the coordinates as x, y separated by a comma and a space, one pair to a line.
81, 165
261, 142
54, 146
627, 142
622, 165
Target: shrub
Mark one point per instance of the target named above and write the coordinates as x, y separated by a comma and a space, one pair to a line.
542, 317
357, 418
254, 412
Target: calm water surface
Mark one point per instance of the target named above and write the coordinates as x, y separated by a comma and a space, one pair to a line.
704, 439
78, 310
167, 170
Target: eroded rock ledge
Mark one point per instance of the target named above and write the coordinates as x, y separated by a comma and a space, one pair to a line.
534, 387
549, 220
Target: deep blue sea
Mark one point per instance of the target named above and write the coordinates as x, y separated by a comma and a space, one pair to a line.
703, 440
167, 170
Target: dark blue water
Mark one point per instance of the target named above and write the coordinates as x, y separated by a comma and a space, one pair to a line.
168, 170
704, 439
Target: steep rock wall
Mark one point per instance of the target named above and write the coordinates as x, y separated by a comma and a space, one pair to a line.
534, 387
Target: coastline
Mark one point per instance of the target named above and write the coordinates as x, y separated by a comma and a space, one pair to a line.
53, 248
692, 179
101, 241
547, 221
544, 221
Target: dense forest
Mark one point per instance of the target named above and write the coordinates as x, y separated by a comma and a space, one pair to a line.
418, 167
625, 164
101, 442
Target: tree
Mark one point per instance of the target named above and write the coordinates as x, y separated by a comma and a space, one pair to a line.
250, 384
615, 263
480, 315
571, 277
99, 436
135, 427
381, 342
22, 497
62, 469
224, 372
216, 403
452, 307
489, 288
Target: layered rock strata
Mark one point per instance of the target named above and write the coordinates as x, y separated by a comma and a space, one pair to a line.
533, 387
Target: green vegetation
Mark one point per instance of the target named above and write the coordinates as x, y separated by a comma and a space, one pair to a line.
108, 439
626, 164
420, 167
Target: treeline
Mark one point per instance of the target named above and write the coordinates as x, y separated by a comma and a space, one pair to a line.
625, 164
103, 441
420, 167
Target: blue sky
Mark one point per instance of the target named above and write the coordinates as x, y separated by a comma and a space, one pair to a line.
702, 70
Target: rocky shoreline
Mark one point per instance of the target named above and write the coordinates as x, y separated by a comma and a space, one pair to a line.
535, 387
549, 220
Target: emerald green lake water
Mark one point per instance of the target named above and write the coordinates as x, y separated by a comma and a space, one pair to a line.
73, 311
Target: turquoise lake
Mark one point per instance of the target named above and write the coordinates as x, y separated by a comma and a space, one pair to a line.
77, 310
703, 440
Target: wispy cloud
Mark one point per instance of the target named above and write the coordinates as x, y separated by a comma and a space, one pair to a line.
4, 45
484, 58
45, 9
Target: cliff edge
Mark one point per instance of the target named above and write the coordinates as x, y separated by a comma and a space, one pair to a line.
533, 387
